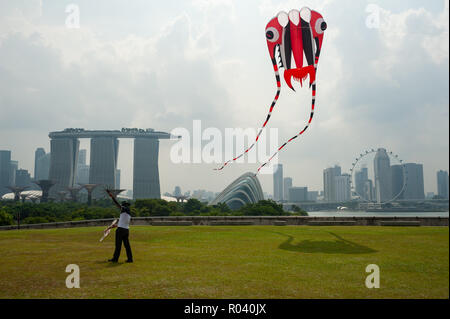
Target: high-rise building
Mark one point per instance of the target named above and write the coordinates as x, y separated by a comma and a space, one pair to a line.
23, 178
369, 191
42, 167
103, 159
63, 160
442, 184
298, 194
103, 163
12, 176
312, 196
414, 188
329, 184
361, 177
382, 167
37, 155
177, 191
146, 168
82, 174
5, 171
82, 157
342, 188
278, 182
287, 183
397, 181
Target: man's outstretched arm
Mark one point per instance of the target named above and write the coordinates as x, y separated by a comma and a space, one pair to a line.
114, 199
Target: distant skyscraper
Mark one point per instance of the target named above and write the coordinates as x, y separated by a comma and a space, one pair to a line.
278, 182
442, 184
23, 178
103, 159
177, 191
146, 168
397, 181
298, 194
5, 171
312, 196
63, 160
82, 174
42, 167
342, 188
82, 157
103, 163
329, 184
361, 177
12, 176
382, 167
287, 183
37, 155
369, 192
414, 184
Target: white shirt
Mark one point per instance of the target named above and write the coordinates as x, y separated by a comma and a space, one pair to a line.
124, 221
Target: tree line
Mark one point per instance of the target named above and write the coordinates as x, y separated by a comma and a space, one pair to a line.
31, 213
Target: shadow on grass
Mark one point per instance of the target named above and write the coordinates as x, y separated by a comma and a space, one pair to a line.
338, 246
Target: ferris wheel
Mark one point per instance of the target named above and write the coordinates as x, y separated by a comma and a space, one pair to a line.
361, 159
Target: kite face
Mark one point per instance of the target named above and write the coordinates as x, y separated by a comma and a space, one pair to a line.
297, 34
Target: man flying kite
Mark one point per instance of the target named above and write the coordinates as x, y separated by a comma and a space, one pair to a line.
122, 232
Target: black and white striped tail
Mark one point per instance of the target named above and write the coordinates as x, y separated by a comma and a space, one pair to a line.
272, 106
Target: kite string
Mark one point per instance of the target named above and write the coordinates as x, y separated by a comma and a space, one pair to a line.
301, 132
277, 77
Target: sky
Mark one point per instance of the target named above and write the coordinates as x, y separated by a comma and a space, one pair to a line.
164, 64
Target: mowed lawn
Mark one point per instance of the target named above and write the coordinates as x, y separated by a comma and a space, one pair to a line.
228, 262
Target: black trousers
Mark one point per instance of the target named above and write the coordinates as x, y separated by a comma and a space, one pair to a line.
122, 236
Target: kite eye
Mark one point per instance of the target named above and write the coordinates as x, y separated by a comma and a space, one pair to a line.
320, 26
272, 34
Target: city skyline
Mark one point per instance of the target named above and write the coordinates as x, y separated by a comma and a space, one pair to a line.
395, 177
368, 93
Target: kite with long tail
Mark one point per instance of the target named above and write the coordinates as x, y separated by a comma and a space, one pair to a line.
297, 34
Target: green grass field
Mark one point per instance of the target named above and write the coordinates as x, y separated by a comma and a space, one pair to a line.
228, 262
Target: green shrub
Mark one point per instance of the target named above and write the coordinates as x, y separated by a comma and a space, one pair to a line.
263, 208
299, 211
5, 218
102, 209
192, 206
